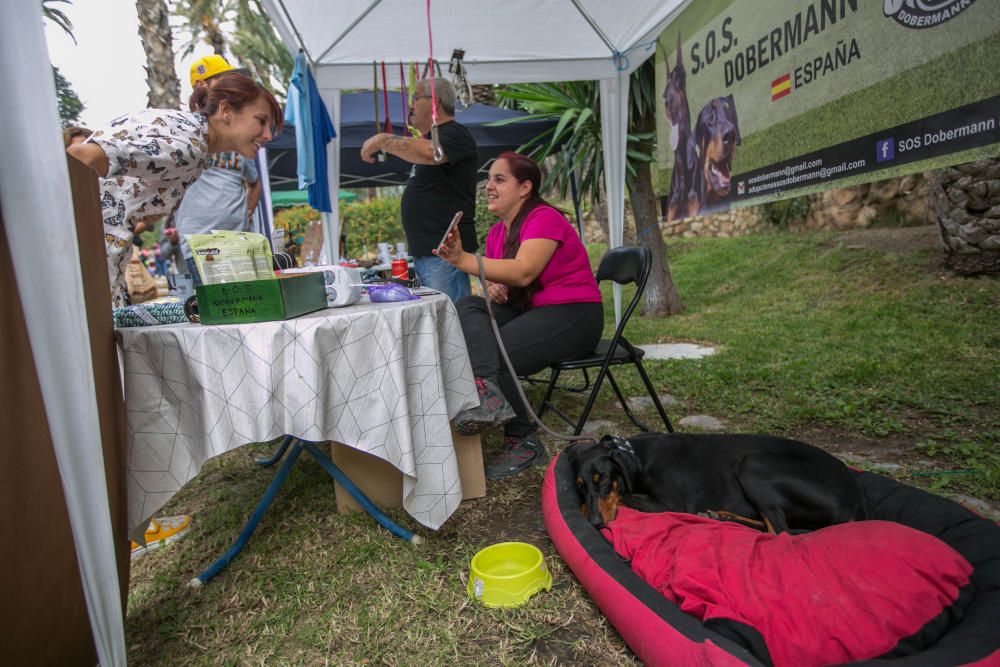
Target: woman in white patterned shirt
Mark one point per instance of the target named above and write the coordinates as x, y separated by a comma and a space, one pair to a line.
146, 160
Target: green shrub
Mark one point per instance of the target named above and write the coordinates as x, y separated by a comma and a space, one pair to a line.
484, 219
365, 223
368, 223
295, 220
784, 211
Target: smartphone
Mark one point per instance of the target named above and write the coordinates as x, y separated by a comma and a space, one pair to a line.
453, 225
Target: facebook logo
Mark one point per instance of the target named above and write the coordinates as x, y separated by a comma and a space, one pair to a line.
883, 150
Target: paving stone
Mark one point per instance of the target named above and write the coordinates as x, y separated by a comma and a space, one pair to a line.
702, 423
677, 351
643, 402
599, 427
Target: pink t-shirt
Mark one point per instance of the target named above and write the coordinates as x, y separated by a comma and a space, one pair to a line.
567, 277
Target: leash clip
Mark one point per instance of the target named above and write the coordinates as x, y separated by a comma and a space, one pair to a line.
436, 144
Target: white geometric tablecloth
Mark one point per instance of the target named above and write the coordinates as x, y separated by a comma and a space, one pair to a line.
384, 378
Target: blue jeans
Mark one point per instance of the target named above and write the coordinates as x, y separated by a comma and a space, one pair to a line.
193, 270
438, 274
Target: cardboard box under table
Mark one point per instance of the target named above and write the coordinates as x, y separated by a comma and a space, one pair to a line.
383, 483
261, 300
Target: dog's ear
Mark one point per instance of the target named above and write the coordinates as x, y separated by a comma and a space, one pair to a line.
731, 103
680, 51
701, 130
629, 465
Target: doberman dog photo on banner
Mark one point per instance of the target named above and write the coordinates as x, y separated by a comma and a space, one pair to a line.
764, 101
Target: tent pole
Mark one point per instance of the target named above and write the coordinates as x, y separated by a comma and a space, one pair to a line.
614, 130
331, 221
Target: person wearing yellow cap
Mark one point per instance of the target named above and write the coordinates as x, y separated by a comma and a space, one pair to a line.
226, 194
205, 68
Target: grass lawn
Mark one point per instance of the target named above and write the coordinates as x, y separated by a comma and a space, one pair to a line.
877, 355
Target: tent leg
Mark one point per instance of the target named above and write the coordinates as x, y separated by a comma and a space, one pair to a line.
272, 491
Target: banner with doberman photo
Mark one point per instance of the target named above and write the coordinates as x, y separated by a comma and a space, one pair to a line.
764, 100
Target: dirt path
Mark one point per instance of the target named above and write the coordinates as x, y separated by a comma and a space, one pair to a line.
894, 239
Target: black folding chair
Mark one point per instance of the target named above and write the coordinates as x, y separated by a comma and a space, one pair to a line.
623, 265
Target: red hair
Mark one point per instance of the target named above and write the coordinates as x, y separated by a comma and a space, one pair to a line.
236, 90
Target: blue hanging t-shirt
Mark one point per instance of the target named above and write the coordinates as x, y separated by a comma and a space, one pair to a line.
322, 134
298, 112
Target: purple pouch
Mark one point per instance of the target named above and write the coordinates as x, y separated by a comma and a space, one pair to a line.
390, 292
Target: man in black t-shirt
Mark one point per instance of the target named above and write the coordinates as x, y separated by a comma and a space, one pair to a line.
437, 188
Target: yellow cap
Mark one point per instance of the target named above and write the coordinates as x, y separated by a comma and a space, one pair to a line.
208, 67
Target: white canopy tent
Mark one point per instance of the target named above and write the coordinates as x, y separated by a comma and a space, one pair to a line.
38, 212
519, 41
516, 41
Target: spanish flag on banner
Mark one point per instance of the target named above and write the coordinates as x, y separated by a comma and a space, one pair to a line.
781, 87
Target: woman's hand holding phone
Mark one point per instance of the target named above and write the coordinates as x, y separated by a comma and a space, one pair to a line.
450, 247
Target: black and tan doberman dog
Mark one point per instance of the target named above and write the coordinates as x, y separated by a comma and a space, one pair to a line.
682, 202
717, 134
763, 481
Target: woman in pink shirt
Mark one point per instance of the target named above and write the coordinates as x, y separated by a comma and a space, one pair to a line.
544, 297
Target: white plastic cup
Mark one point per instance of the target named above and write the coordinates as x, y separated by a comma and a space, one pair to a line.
383, 253
400, 249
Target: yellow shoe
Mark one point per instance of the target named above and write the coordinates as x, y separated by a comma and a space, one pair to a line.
162, 531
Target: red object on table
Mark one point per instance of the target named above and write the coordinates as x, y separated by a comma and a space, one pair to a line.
400, 269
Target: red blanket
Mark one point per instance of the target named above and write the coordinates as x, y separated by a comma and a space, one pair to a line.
843, 593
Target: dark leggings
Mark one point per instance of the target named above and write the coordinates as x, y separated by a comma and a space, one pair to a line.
534, 339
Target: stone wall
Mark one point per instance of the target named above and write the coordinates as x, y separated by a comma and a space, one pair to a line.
856, 207
737, 222
834, 210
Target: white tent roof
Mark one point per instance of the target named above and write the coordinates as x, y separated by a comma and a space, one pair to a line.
508, 42
511, 42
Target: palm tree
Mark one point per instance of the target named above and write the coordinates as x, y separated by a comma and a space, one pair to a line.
257, 47
661, 297
70, 106
966, 198
254, 43
203, 21
158, 43
575, 106
58, 17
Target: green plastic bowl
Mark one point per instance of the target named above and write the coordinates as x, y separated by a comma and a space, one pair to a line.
508, 574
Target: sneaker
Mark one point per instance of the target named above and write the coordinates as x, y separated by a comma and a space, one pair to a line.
163, 530
520, 452
493, 409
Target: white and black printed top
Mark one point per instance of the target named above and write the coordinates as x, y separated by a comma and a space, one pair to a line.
153, 156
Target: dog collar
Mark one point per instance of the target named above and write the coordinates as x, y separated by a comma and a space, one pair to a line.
622, 444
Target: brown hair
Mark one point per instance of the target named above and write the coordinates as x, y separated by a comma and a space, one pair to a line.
72, 131
238, 91
522, 168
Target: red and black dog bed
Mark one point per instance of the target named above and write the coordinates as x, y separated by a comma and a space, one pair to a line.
893, 575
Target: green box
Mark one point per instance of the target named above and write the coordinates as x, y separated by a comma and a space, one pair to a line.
261, 300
